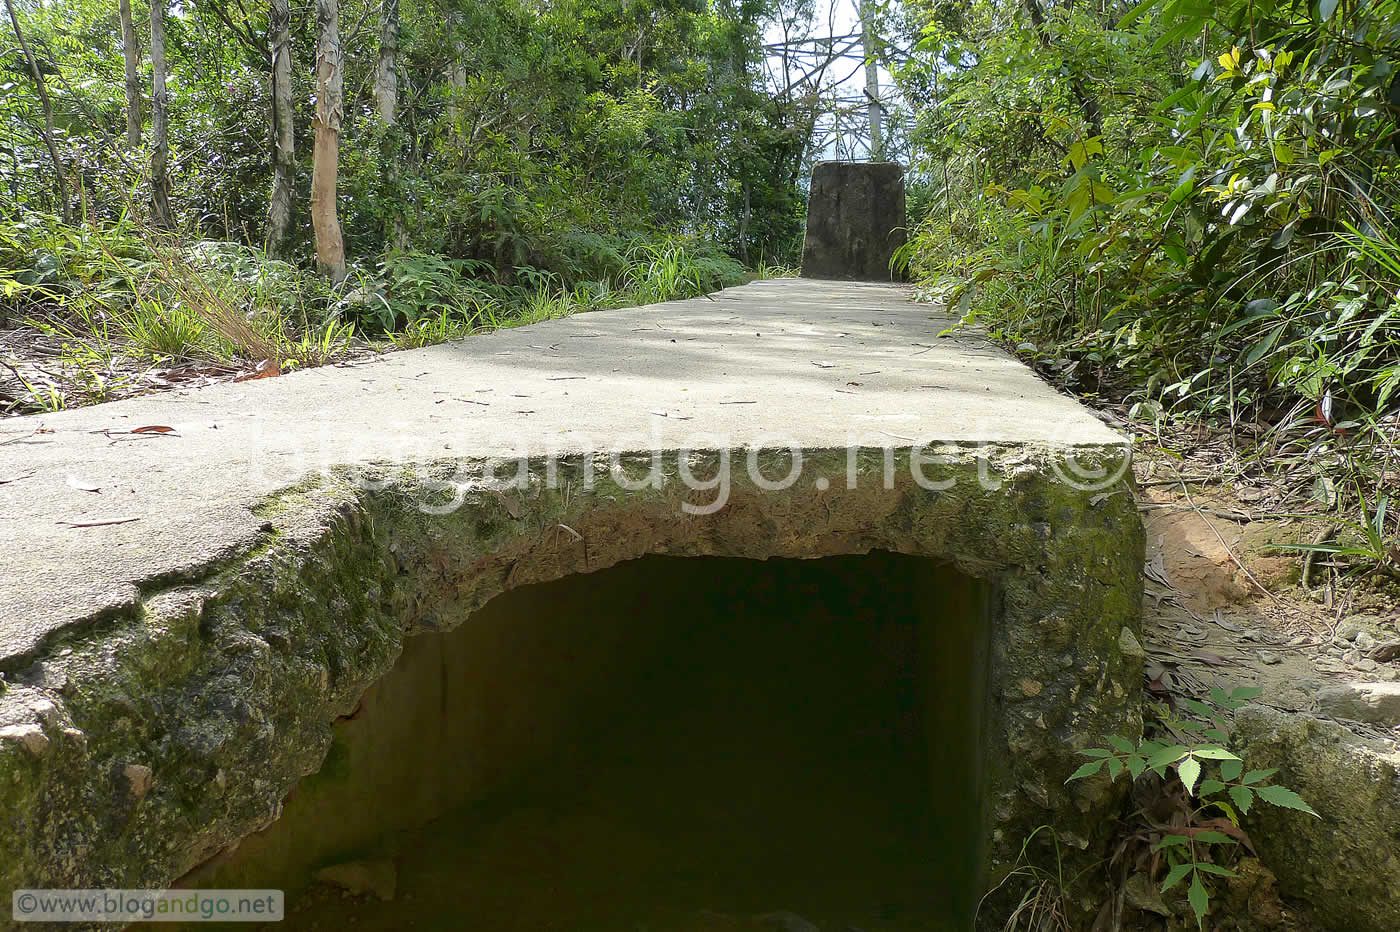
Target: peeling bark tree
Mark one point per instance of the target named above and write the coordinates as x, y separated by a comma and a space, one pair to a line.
282, 201
132, 53
160, 122
386, 99
330, 248
60, 176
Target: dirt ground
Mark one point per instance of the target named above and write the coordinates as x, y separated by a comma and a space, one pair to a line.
1224, 603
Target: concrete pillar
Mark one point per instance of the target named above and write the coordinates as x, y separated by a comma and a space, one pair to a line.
855, 220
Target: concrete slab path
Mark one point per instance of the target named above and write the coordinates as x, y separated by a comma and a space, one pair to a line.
774, 363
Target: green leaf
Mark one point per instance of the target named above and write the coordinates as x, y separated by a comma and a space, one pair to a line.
1168, 755
1210, 753
1215, 838
1172, 841
1210, 786
1243, 797
1136, 766
1121, 745
1189, 770
1231, 769
1254, 776
1087, 770
1115, 767
1136, 13
1246, 693
1282, 796
1325, 9
1215, 869
1200, 708
1175, 874
1199, 899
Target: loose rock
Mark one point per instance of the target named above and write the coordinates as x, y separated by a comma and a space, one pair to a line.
31, 736
1377, 703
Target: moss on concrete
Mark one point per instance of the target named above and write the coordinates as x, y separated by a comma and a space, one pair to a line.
225, 687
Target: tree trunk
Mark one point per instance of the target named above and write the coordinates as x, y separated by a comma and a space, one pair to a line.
160, 122
386, 99
330, 248
132, 53
284, 160
874, 110
59, 174
456, 79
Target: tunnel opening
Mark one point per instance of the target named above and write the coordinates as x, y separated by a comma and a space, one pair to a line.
668, 744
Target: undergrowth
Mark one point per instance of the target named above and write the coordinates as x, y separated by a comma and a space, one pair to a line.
121, 298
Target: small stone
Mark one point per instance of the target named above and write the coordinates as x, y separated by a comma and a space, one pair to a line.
1141, 893
1130, 645
1031, 687
1377, 703
1364, 640
1366, 665
1269, 657
139, 779
1348, 630
31, 736
377, 876
1351, 656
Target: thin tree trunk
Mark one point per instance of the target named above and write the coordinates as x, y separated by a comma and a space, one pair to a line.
160, 122
132, 53
386, 99
282, 200
456, 79
59, 173
875, 112
330, 248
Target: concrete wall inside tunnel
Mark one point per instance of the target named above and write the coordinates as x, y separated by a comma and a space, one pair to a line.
805, 728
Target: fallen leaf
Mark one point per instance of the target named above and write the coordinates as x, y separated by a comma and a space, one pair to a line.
154, 429
266, 369
75, 483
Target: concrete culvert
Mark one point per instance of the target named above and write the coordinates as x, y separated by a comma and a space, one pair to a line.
189, 670
666, 739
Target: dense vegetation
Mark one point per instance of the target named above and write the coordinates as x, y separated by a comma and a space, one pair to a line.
1185, 204
447, 166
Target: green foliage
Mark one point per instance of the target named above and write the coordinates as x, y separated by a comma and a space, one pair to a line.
1189, 207
1208, 782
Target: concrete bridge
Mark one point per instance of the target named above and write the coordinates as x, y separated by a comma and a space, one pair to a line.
186, 613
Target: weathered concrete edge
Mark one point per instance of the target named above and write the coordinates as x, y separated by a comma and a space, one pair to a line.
1345, 864
136, 749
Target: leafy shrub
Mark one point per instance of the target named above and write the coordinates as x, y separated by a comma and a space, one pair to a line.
1195, 790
